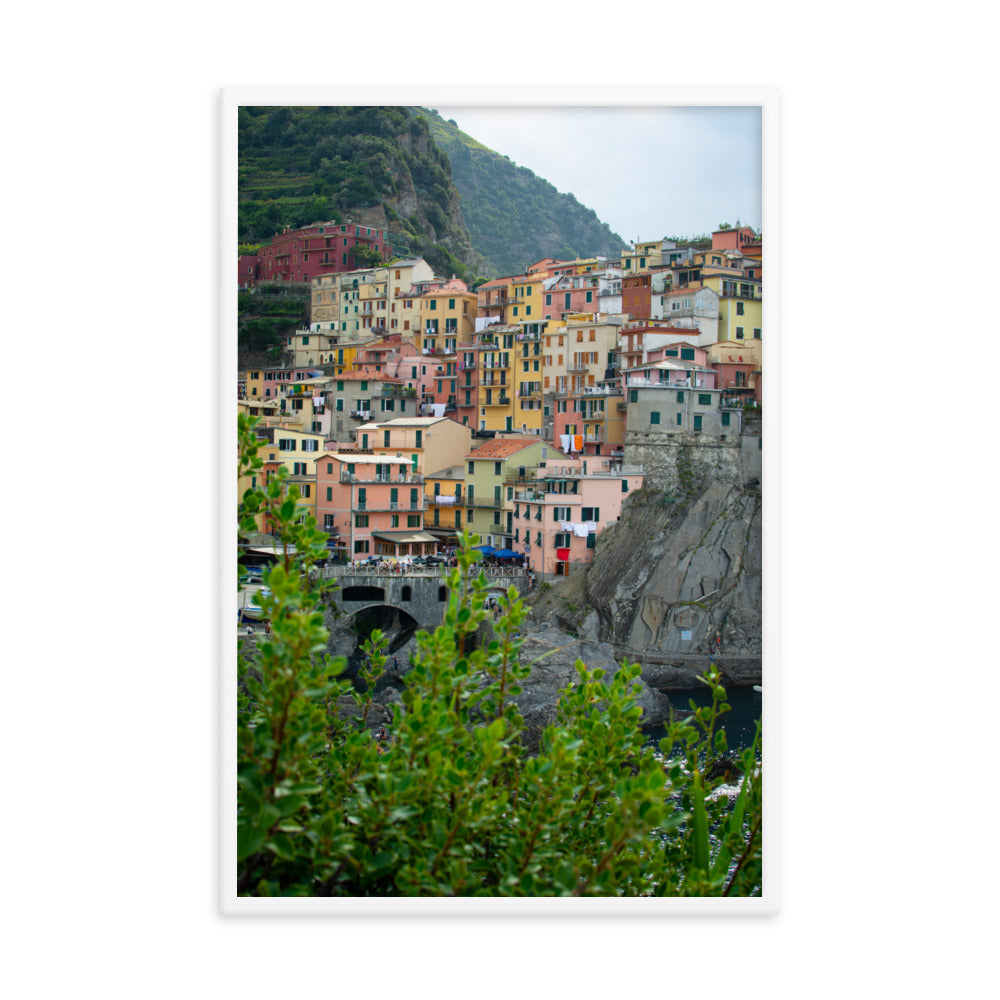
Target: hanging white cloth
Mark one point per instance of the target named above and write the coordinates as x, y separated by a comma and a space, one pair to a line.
438, 409
564, 441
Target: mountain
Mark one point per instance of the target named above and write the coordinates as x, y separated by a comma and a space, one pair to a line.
442, 195
377, 166
513, 216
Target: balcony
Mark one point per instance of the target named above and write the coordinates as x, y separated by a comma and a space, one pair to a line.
577, 366
397, 392
502, 401
410, 479
361, 414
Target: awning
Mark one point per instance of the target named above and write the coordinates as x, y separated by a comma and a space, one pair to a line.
270, 550
403, 537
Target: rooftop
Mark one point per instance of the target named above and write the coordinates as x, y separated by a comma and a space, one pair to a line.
502, 447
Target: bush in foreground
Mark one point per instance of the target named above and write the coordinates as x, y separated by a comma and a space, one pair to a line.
451, 803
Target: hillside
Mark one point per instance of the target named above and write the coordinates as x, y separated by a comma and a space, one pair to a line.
513, 216
442, 195
377, 166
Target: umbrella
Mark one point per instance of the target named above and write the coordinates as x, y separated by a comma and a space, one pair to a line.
487, 550
507, 554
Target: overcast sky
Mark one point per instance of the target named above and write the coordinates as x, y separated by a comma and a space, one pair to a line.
647, 172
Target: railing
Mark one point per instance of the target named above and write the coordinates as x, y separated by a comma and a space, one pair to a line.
391, 505
397, 392
354, 477
502, 401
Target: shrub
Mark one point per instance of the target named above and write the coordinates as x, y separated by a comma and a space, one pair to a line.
453, 802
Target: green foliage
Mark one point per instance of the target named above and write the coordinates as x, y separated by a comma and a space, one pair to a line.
453, 803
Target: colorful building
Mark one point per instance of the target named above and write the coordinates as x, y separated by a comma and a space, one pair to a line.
304, 254
372, 505
487, 491
560, 511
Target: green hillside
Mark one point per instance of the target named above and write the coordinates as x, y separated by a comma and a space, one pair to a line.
377, 166
515, 217
442, 195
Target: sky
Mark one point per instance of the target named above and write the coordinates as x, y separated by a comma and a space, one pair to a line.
647, 172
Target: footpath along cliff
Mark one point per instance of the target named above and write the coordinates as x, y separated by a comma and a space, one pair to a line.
676, 583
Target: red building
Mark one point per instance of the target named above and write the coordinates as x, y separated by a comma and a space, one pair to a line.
303, 254
734, 239
637, 294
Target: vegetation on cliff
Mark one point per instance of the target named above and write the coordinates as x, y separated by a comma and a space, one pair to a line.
442, 195
377, 165
515, 217
450, 801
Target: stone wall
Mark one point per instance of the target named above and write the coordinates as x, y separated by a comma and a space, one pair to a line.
686, 464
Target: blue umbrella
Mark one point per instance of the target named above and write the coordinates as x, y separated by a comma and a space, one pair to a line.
507, 554
487, 550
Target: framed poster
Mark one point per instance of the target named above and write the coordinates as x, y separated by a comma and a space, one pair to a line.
501, 501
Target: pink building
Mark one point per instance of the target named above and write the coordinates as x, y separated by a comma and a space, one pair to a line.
371, 505
570, 294
561, 513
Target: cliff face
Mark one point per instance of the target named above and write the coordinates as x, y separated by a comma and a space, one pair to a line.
667, 580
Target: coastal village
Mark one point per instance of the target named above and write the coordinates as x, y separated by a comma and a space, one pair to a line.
412, 407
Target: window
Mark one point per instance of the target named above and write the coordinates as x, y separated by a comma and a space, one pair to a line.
591, 514
329, 468
310, 445
739, 333
472, 468
680, 397
413, 521
679, 420
739, 308
420, 439
697, 421
361, 546
704, 399
496, 468
624, 486
654, 417
329, 492
725, 418
756, 333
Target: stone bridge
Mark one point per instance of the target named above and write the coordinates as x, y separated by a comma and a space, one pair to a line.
417, 597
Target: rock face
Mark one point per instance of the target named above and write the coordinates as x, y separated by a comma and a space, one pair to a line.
674, 584
553, 655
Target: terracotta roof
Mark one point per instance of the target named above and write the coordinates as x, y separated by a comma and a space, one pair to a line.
503, 447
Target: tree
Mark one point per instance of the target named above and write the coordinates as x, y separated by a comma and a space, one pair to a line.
454, 802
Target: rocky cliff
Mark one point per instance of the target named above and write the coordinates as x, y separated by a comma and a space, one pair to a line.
675, 583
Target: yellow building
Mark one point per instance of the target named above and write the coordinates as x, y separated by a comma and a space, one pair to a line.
643, 256
740, 307
295, 450
526, 303
496, 361
527, 378
447, 316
